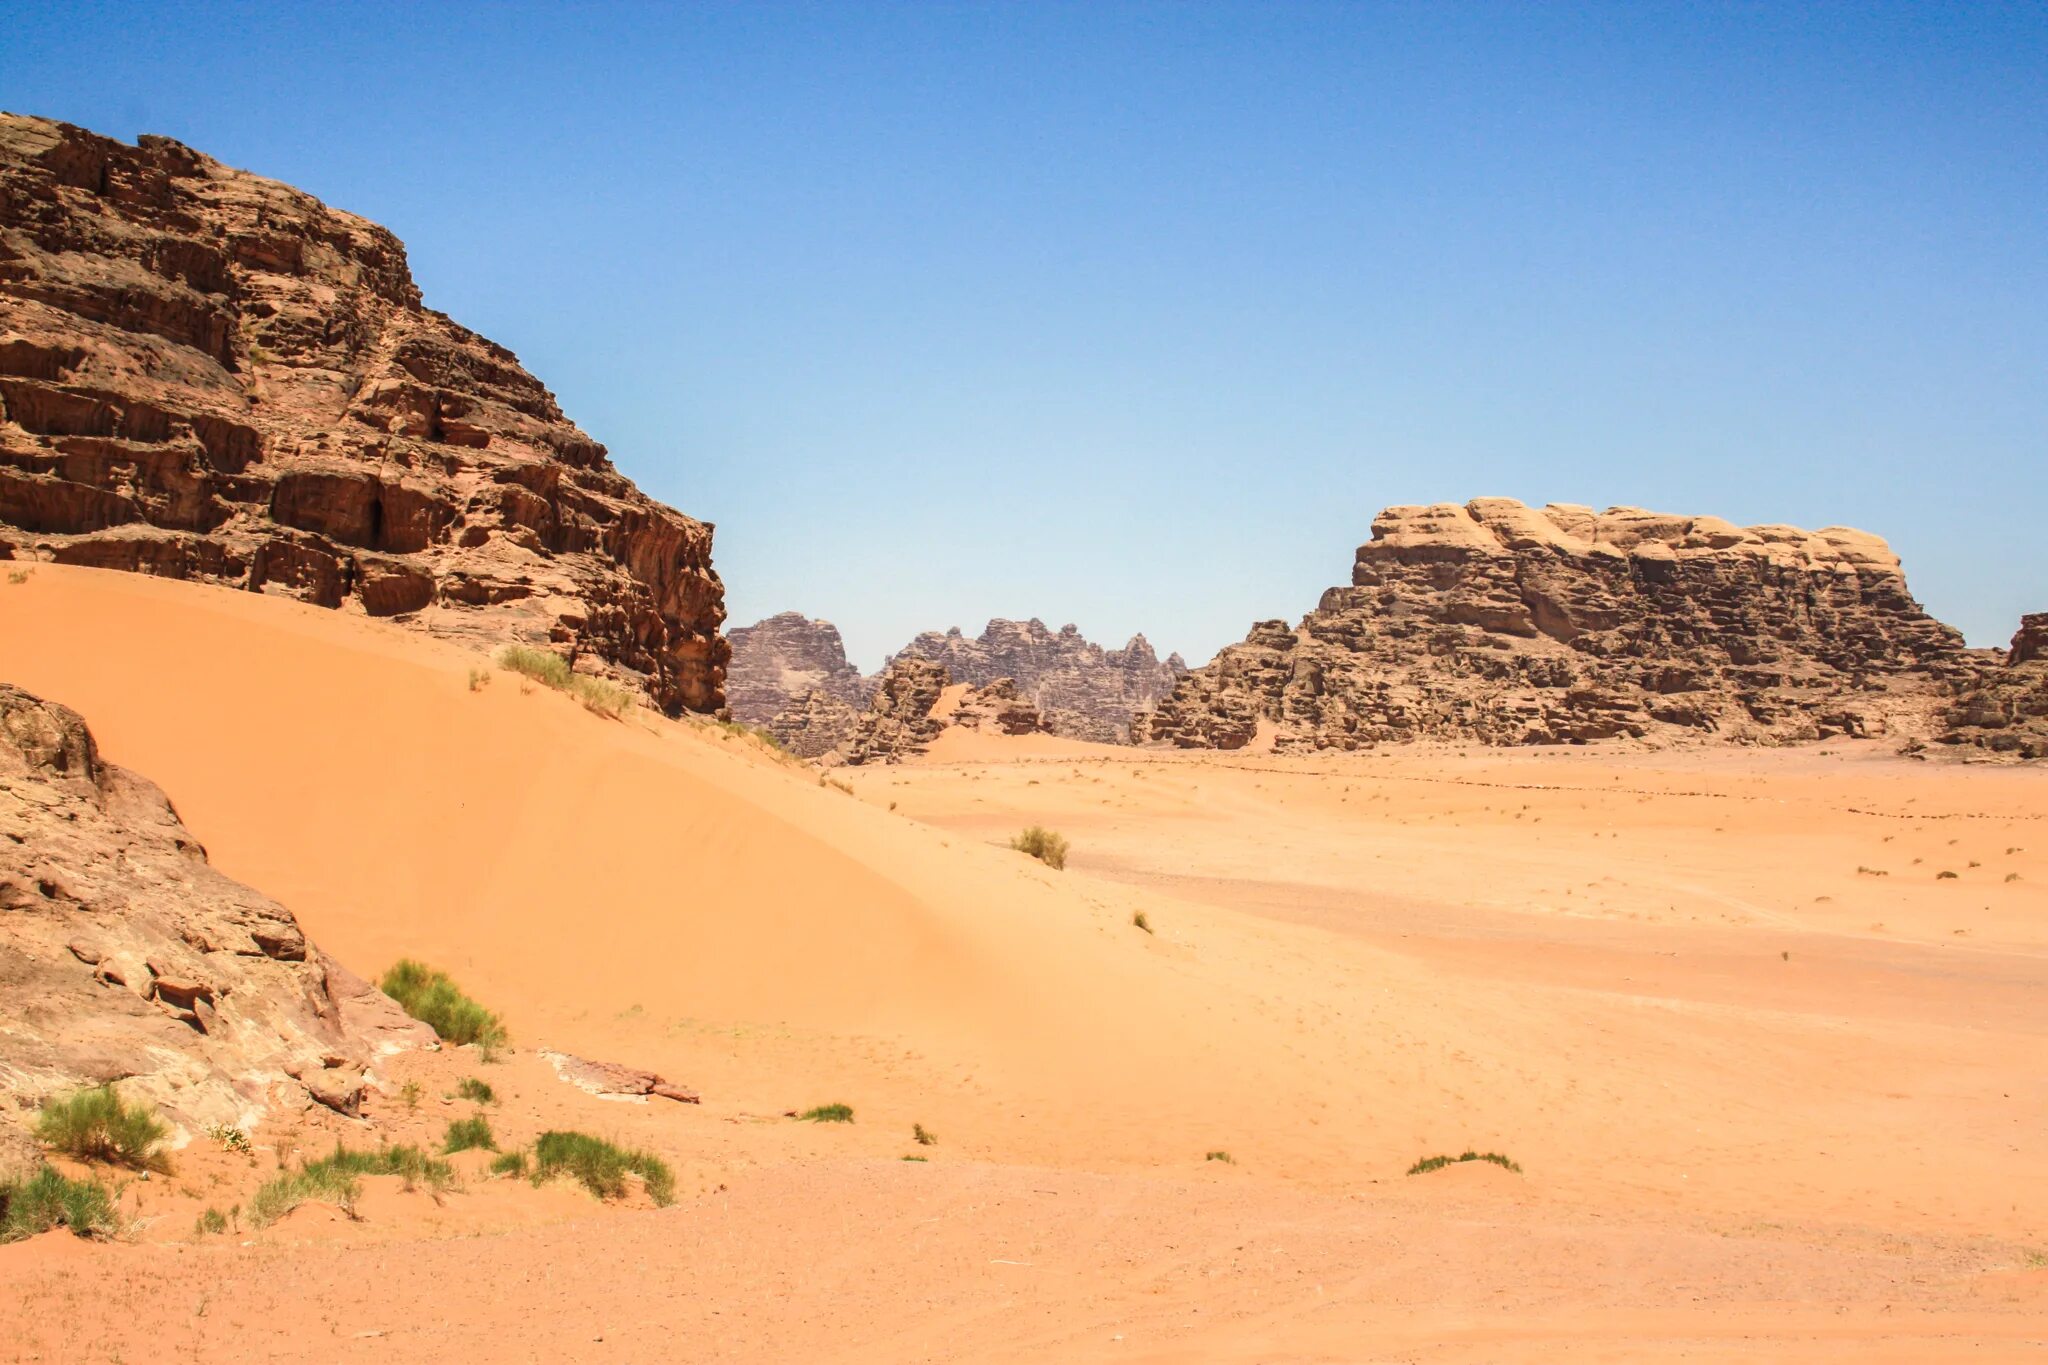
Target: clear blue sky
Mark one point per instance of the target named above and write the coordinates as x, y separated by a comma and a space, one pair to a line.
1133, 315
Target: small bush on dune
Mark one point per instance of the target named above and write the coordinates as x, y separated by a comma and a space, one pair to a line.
1143, 923
925, 1136
604, 698
468, 1134
552, 670
46, 1200
828, 1113
509, 1163
542, 665
599, 1166
471, 1088
333, 1179
212, 1221
432, 998
1224, 1157
1437, 1163
94, 1125
1043, 844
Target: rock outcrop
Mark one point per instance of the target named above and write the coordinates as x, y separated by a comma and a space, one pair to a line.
898, 721
207, 374
2005, 708
125, 957
1501, 623
1084, 690
784, 659
999, 709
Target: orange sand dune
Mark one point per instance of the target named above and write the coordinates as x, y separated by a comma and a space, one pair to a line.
1767, 1105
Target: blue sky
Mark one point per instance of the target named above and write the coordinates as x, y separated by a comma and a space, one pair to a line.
1133, 315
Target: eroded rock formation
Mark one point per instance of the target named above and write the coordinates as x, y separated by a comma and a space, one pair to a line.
998, 708
1084, 690
207, 374
1511, 625
898, 721
2005, 708
784, 659
125, 957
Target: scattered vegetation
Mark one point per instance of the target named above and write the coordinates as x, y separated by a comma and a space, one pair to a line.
2012, 876
600, 1166
467, 1135
229, 1139
1945, 876
19, 576
432, 998
509, 1163
1437, 1163
550, 669
479, 679
94, 1125
1140, 920
916, 1158
1224, 1157
1042, 844
212, 1221
46, 1200
925, 1136
1872, 872
334, 1179
480, 1091
828, 1113
411, 1093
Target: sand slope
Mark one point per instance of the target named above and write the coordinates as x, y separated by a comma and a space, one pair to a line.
1767, 1106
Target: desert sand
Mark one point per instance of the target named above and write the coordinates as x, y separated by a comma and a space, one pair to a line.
1773, 1081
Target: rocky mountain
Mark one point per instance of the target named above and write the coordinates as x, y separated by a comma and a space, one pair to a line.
2005, 708
1084, 690
999, 708
1511, 625
125, 957
207, 374
784, 659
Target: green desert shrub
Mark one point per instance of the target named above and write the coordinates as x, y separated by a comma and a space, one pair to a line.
45, 1200
213, 1221
470, 1088
469, 1134
428, 995
925, 1137
552, 670
542, 665
1224, 1157
599, 1166
828, 1113
1043, 844
1437, 1163
509, 1163
334, 1179
94, 1125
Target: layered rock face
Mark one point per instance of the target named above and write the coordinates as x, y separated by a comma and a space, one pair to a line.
207, 374
1084, 690
782, 660
999, 709
898, 721
2005, 709
1510, 625
125, 957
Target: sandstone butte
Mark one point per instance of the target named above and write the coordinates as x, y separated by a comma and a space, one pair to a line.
207, 374
1506, 624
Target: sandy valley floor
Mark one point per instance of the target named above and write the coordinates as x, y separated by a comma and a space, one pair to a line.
1775, 1082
